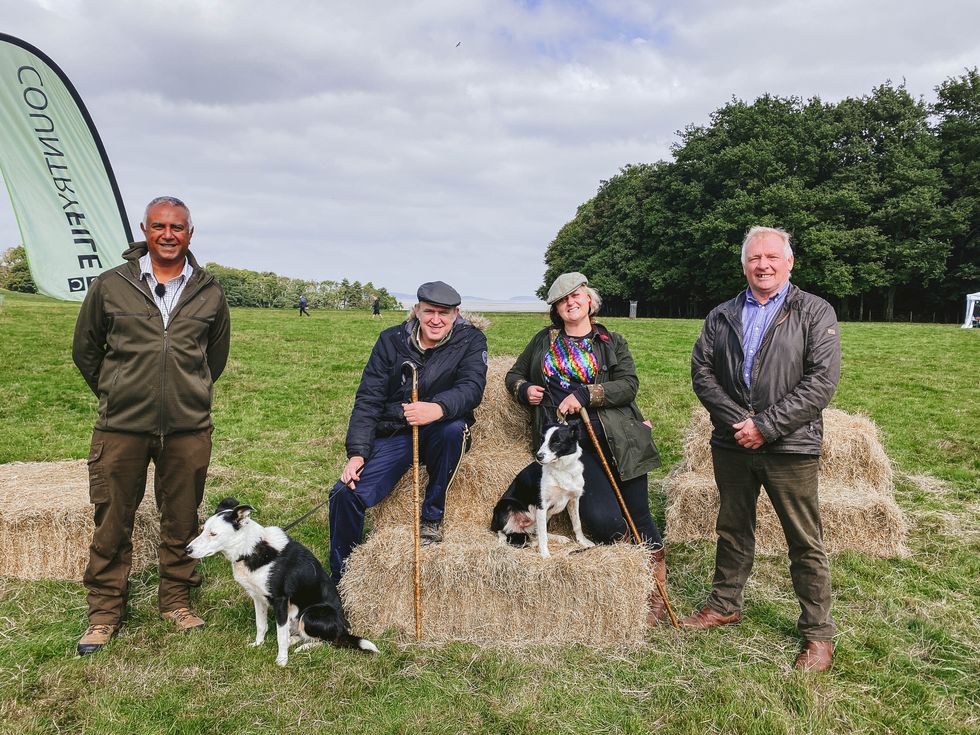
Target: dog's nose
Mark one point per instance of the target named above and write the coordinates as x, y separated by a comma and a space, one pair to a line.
539, 457
189, 550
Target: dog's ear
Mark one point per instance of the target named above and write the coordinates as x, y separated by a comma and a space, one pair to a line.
242, 512
226, 504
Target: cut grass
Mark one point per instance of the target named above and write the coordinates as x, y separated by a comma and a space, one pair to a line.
909, 639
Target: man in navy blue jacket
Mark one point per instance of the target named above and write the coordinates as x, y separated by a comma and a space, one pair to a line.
450, 358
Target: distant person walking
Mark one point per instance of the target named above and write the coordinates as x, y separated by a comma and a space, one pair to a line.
303, 303
376, 307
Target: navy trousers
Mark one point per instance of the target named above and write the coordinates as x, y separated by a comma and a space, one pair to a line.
441, 446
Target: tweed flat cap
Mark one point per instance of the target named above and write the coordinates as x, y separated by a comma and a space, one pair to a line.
439, 293
564, 285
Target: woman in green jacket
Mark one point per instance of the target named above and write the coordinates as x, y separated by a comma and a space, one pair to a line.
579, 363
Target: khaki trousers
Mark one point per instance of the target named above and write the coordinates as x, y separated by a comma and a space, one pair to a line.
117, 481
790, 481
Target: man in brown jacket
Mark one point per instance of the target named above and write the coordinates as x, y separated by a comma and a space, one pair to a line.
765, 366
151, 338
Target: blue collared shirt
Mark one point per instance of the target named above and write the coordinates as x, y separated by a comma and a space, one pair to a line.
756, 319
173, 288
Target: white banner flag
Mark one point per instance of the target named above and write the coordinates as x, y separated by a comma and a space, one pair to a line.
64, 196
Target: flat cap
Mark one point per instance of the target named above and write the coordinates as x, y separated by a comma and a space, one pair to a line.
564, 285
439, 293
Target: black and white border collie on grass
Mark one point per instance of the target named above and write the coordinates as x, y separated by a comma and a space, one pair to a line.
278, 572
552, 483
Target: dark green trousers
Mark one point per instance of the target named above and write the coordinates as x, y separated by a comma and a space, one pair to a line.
117, 482
790, 481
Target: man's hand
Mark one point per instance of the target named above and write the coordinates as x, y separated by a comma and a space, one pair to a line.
421, 413
352, 471
748, 435
535, 394
569, 405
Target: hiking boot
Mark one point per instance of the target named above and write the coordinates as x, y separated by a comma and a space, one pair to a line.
816, 657
95, 637
184, 618
430, 532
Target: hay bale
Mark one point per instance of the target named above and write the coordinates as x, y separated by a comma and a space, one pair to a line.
857, 505
477, 590
483, 475
852, 451
46, 521
500, 449
854, 517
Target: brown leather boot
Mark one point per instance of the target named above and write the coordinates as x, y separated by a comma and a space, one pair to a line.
658, 606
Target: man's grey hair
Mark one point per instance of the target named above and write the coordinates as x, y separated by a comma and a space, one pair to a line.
172, 202
758, 231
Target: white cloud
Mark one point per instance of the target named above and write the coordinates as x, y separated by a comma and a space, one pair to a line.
359, 140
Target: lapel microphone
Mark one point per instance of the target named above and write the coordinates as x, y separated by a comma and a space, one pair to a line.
160, 290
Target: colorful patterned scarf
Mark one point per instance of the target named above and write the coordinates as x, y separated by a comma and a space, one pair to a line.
571, 360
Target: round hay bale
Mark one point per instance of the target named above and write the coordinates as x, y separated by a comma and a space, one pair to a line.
855, 517
46, 521
477, 590
852, 451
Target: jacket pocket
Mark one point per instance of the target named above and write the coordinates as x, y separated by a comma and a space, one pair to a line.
643, 450
98, 488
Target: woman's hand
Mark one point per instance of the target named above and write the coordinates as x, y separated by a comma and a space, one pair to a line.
569, 405
535, 394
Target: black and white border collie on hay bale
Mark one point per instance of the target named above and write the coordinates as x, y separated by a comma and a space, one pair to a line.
277, 571
552, 483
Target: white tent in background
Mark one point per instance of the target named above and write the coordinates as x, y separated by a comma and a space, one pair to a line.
972, 299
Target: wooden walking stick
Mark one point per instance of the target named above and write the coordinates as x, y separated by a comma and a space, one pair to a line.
415, 506
584, 414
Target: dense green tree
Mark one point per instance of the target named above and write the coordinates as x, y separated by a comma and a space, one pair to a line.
15, 274
875, 201
958, 131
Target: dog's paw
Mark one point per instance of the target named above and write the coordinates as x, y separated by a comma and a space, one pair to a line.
307, 646
545, 554
282, 660
584, 542
255, 644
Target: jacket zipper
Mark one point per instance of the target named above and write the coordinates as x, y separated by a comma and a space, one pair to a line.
166, 338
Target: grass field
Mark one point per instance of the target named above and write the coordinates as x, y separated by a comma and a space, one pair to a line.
909, 637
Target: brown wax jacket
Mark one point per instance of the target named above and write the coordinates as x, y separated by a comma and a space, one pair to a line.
149, 379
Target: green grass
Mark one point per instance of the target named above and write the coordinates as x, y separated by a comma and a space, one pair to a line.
909, 642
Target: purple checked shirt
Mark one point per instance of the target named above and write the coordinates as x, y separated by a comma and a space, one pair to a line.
756, 319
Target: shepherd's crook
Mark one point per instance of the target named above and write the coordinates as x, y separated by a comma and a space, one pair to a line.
622, 504
415, 506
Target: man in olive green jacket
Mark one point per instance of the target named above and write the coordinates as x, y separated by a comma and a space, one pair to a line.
151, 338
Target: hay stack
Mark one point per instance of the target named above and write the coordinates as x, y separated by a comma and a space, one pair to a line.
475, 589
857, 504
46, 521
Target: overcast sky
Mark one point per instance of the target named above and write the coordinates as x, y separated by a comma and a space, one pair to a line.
400, 142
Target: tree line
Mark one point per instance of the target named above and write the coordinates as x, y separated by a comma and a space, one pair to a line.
242, 287
881, 194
